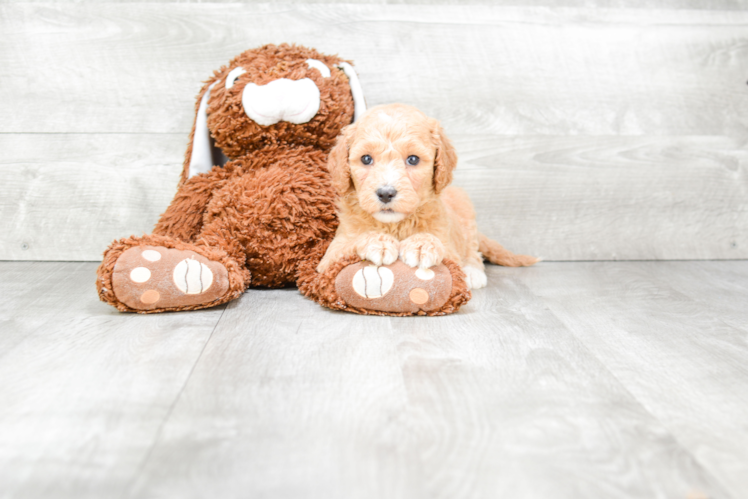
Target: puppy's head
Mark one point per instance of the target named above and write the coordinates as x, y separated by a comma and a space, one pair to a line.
395, 158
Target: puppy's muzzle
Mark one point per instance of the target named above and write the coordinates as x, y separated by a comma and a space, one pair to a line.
294, 101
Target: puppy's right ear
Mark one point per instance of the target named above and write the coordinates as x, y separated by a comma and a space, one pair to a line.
446, 157
337, 163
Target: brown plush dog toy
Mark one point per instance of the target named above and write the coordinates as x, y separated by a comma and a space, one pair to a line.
255, 205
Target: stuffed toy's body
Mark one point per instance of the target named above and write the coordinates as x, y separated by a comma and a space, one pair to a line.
255, 204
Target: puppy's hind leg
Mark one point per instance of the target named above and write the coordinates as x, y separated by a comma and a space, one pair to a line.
496, 254
475, 272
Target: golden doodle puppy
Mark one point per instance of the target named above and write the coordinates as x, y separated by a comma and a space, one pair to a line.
392, 171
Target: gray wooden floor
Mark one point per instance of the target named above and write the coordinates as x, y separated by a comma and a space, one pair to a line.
567, 379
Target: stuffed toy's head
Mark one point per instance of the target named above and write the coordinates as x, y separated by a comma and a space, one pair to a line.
283, 94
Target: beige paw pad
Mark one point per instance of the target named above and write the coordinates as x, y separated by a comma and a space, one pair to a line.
150, 297
192, 277
140, 275
425, 274
419, 296
373, 282
153, 277
151, 255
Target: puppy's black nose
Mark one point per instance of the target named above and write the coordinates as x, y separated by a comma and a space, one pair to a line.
386, 193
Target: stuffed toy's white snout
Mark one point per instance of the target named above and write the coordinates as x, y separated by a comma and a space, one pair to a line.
294, 101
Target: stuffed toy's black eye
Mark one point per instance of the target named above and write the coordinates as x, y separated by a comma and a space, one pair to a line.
413, 160
367, 160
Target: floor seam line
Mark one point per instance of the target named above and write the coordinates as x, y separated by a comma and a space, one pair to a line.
166, 418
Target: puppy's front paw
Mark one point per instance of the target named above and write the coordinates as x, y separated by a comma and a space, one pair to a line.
379, 249
324, 264
422, 250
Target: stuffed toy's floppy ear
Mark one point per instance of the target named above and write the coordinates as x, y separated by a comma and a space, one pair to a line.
446, 158
359, 103
337, 162
202, 153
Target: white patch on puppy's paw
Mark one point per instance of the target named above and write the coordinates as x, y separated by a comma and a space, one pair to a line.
390, 256
428, 260
380, 253
410, 258
475, 278
422, 251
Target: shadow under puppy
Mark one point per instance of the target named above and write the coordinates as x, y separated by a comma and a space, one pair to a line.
392, 171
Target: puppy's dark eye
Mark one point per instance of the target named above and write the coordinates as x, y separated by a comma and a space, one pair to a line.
412, 160
367, 160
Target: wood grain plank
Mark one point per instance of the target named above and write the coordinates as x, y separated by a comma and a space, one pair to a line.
34, 294
84, 388
588, 79
582, 379
68, 196
718, 287
513, 384
674, 353
260, 415
487, 69
499, 400
722, 5
609, 198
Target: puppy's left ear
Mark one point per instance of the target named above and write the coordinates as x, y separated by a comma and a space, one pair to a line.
337, 162
446, 158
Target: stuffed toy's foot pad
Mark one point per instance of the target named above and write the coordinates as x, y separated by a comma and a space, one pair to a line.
151, 277
395, 288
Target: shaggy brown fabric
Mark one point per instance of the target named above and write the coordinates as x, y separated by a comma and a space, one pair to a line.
236, 134
183, 219
321, 288
271, 207
277, 211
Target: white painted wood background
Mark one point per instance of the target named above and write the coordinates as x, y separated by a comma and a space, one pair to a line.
610, 132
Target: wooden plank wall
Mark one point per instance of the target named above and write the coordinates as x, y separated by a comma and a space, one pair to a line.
585, 133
